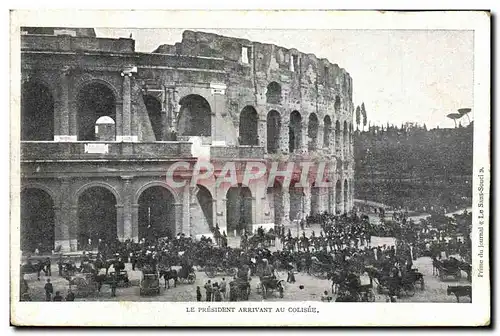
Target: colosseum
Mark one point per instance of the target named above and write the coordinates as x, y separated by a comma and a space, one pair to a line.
102, 123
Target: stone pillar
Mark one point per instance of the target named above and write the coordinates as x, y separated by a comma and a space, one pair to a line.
73, 228
284, 137
262, 133
218, 103
135, 222
341, 203
285, 197
304, 138
119, 222
126, 112
319, 138
164, 115
61, 110
186, 210
178, 218
331, 146
307, 201
255, 217
72, 111
62, 217
192, 203
127, 208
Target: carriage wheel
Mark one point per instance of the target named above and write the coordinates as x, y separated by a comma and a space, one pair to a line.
370, 296
410, 289
210, 272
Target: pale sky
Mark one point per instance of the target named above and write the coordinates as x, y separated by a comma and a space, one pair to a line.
400, 75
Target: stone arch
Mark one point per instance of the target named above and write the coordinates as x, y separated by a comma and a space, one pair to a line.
37, 111
312, 132
327, 131
273, 131
156, 213
153, 106
205, 201
239, 208
37, 219
94, 100
337, 105
97, 215
195, 116
248, 128
295, 131
88, 79
88, 185
273, 93
152, 184
36, 185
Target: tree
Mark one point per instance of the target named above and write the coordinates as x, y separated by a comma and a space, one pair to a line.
465, 111
363, 113
358, 117
454, 117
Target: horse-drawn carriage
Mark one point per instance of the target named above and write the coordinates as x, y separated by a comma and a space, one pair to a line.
67, 266
239, 288
35, 264
150, 283
447, 268
84, 285
320, 269
269, 284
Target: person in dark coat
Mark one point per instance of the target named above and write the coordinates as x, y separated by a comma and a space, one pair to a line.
198, 294
70, 296
58, 296
49, 289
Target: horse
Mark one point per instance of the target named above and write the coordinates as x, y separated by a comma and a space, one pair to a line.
168, 274
459, 291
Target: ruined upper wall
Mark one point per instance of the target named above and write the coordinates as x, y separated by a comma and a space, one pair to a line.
275, 61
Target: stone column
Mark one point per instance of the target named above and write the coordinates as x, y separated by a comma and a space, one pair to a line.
284, 137
341, 203
119, 222
62, 217
178, 218
126, 135
319, 138
61, 115
73, 228
307, 201
219, 105
285, 197
262, 133
127, 207
186, 210
304, 138
331, 145
164, 115
192, 203
135, 222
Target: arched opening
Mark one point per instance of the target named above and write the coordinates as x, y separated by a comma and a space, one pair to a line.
297, 199
345, 144
338, 136
156, 214
312, 132
346, 193
248, 127
275, 201
273, 93
37, 221
205, 202
315, 199
94, 101
37, 113
96, 217
338, 194
337, 105
327, 131
153, 106
238, 209
273, 131
105, 129
195, 116
295, 132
